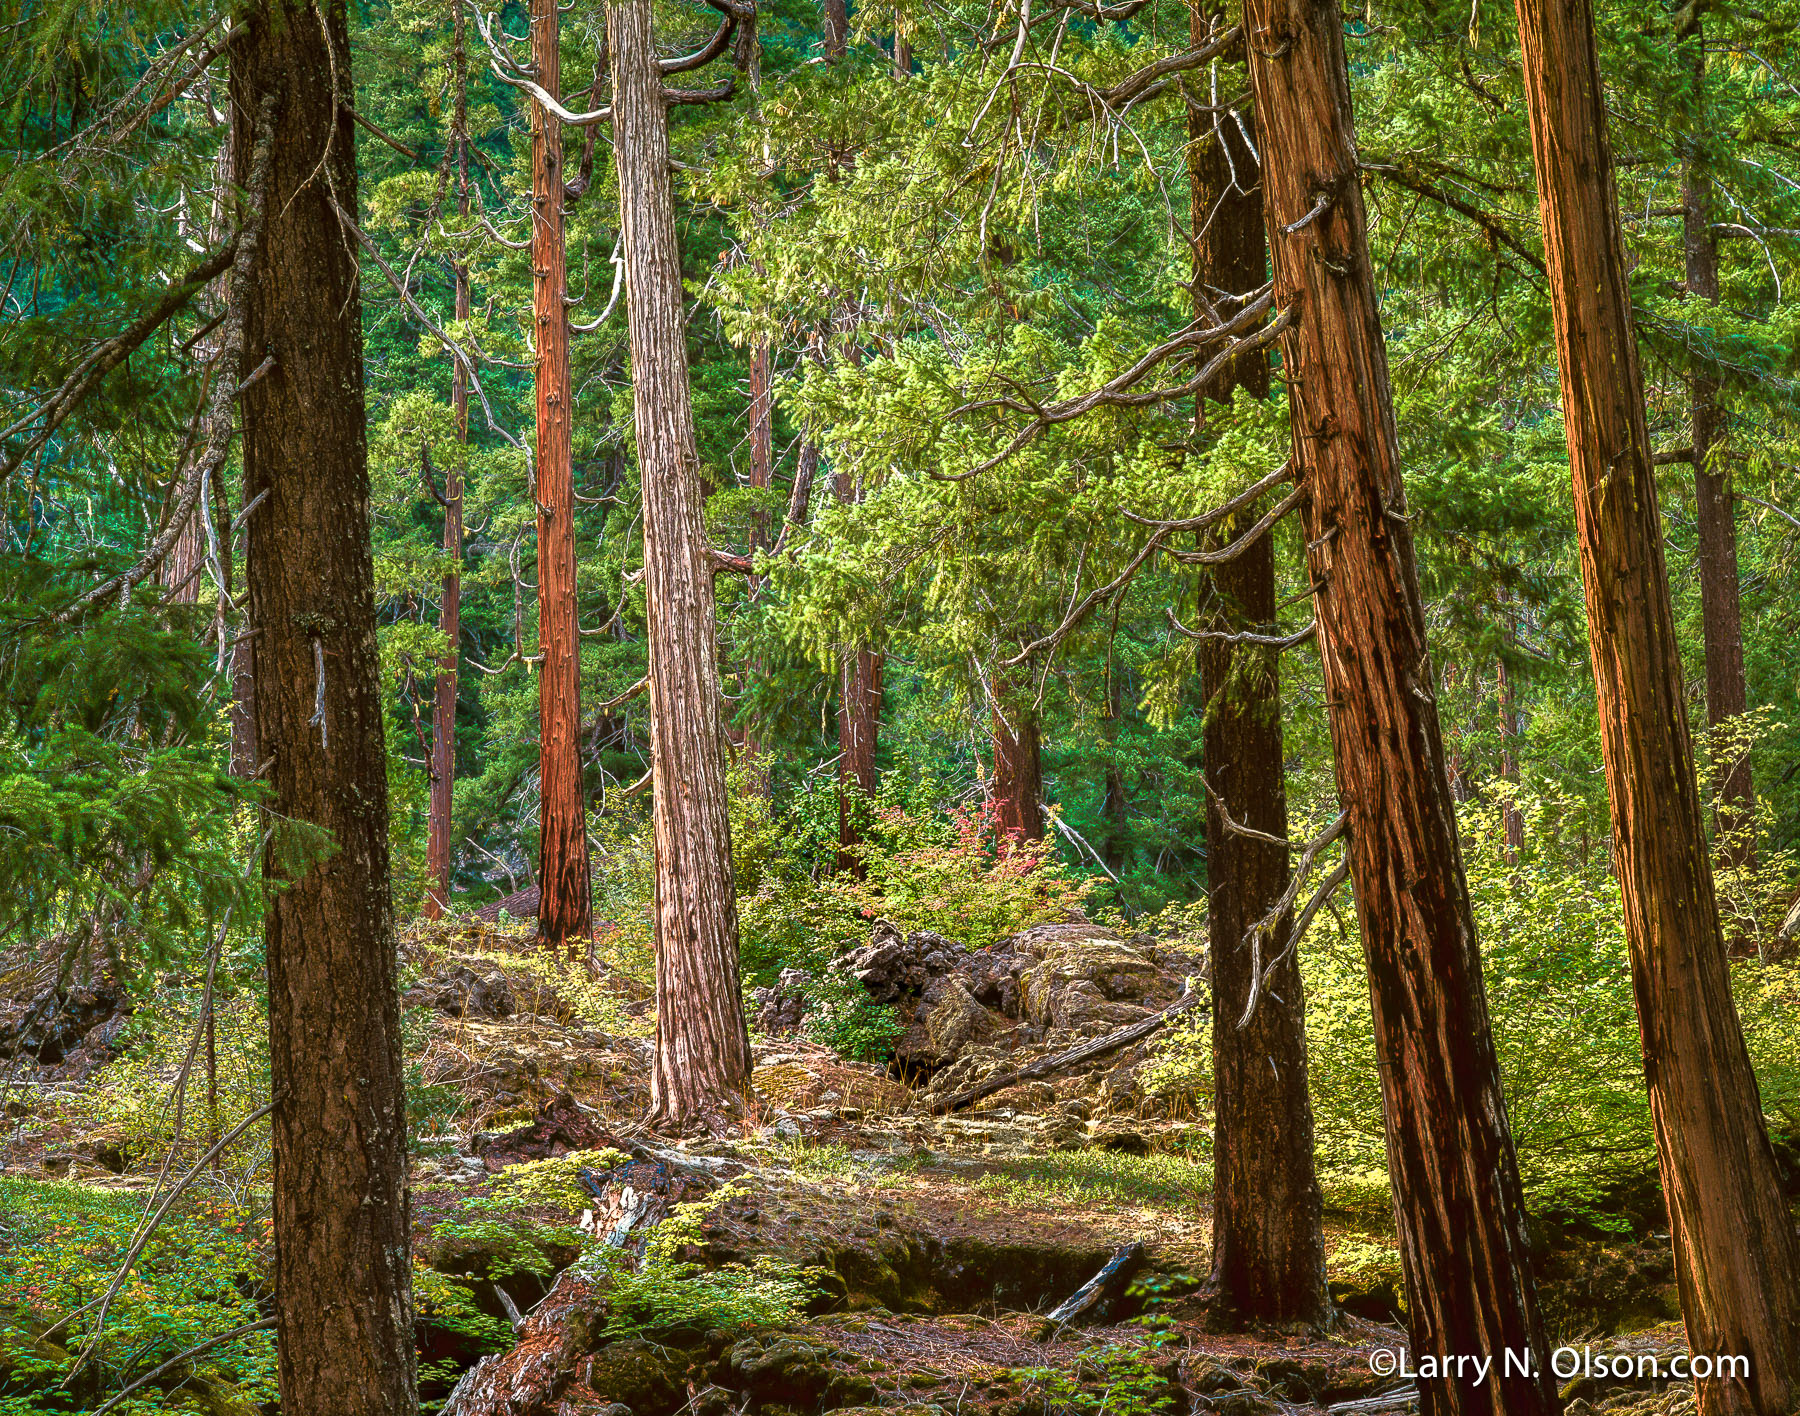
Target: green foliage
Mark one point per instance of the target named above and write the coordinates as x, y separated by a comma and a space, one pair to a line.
666, 1293
1111, 1380
202, 1273
133, 1099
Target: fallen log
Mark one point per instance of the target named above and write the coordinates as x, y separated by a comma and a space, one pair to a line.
1110, 1281
1074, 1057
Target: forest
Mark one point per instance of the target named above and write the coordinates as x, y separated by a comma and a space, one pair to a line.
900, 708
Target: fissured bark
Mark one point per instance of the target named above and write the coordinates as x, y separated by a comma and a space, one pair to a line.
700, 1071
1737, 1260
1268, 1243
1457, 1201
566, 910
343, 1277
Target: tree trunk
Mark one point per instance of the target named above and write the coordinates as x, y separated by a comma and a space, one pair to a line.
762, 477
859, 729
566, 911
1457, 1201
859, 725
1115, 804
1737, 1261
343, 1279
1268, 1243
443, 714
1511, 818
1714, 505
700, 1072
1017, 792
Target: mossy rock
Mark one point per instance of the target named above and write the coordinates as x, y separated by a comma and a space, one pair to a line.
637, 1374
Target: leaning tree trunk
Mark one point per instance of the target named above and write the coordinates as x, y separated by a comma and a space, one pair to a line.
1714, 506
565, 911
1016, 794
1457, 1201
1737, 1260
343, 1279
443, 712
1268, 1243
700, 1072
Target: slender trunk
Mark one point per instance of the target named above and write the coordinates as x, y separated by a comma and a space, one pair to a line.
859, 728
837, 28
1457, 1201
1015, 796
1737, 1260
343, 1277
762, 477
700, 1071
1714, 505
1268, 1240
859, 723
443, 713
1512, 820
565, 912
1114, 804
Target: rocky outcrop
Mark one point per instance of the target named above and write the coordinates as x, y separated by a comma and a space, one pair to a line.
978, 1011
461, 992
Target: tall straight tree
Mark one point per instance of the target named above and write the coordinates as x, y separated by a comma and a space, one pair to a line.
1715, 517
343, 1270
859, 676
565, 909
1457, 1201
443, 712
700, 1069
1268, 1239
1737, 1260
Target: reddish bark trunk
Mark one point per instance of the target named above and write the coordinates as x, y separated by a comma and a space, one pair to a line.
443, 714
343, 1277
1714, 506
1016, 794
566, 911
1268, 1240
700, 1069
1457, 1201
1737, 1259
859, 724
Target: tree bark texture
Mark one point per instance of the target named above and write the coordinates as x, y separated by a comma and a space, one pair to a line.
443, 710
566, 910
1017, 792
1714, 507
859, 726
700, 1073
1268, 1243
1457, 1203
1737, 1261
343, 1278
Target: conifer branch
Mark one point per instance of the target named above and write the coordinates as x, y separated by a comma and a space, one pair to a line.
221, 420
108, 355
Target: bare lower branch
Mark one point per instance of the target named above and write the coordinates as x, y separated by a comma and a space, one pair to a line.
107, 356
1224, 636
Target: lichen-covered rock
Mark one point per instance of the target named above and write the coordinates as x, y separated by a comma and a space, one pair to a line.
781, 1010
461, 992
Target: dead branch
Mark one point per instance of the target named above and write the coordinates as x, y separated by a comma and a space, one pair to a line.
1223, 636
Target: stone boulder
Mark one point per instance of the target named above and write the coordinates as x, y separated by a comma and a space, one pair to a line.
461, 992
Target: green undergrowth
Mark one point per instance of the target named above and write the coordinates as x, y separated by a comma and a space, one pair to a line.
669, 1293
202, 1273
1168, 1180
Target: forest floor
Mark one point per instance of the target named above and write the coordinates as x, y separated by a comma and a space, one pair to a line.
930, 1247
